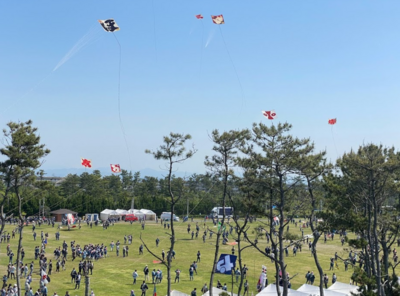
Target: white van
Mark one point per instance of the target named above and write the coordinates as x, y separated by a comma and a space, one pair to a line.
166, 216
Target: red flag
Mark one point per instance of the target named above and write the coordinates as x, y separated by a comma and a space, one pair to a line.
115, 168
269, 114
218, 19
199, 16
87, 163
332, 121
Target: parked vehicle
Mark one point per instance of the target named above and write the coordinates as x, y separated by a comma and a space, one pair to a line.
166, 216
130, 217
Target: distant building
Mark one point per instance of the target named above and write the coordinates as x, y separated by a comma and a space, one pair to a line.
62, 214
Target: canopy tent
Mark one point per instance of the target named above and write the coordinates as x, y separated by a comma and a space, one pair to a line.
343, 288
149, 214
217, 291
121, 212
137, 213
104, 215
314, 290
270, 290
178, 293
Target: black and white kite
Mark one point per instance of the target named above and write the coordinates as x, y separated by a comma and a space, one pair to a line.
109, 25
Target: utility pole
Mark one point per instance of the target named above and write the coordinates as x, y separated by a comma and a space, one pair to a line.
187, 206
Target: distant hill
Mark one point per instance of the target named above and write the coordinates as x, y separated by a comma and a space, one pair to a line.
106, 172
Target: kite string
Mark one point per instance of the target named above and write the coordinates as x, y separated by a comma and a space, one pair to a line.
233, 65
334, 142
119, 100
154, 29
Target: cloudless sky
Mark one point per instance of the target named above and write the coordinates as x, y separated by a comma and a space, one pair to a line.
307, 60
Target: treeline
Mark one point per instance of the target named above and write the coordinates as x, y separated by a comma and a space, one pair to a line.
92, 193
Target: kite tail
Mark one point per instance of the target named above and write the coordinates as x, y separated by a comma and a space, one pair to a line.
119, 100
234, 68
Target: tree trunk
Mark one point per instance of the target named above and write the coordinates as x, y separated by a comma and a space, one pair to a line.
220, 230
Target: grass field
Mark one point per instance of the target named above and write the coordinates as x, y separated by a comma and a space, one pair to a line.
113, 275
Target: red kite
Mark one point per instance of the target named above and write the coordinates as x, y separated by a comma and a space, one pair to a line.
269, 114
87, 163
332, 121
199, 16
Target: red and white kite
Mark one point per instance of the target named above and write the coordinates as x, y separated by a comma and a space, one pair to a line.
199, 16
218, 19
115, 168
43, 274
87, 163
269, 114
332, 121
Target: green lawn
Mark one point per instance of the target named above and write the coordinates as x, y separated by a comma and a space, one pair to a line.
113, 275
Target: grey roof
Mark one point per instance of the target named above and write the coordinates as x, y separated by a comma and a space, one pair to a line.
63, 211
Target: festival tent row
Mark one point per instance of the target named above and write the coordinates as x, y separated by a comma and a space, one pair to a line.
270, 290
217, 291
314, 290
118, 213
337, 289
344, 288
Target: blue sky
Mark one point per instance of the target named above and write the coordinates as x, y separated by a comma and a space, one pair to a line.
307, 60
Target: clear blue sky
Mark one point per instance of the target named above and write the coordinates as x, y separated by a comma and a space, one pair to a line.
308, 60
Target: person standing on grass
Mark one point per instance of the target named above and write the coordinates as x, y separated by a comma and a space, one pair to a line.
237, 274
198, 256
312, 278
191, 271
112, 246
334, 278
157, 242
153, 275
193, 293
135, 276
326, 281
132, 293
146, 273
143, 288
78, 281
246, 288
177, 274
204, 289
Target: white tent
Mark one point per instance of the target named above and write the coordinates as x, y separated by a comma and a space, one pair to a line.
121, 212
178, 293
217, 291
314, 290
343, 288
136, 212
149, 214
104, 215
270, 290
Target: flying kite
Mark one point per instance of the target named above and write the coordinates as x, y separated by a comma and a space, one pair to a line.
269, 114
218, 19
199, 16
115, 168
332, 121
109, 25
87, 163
